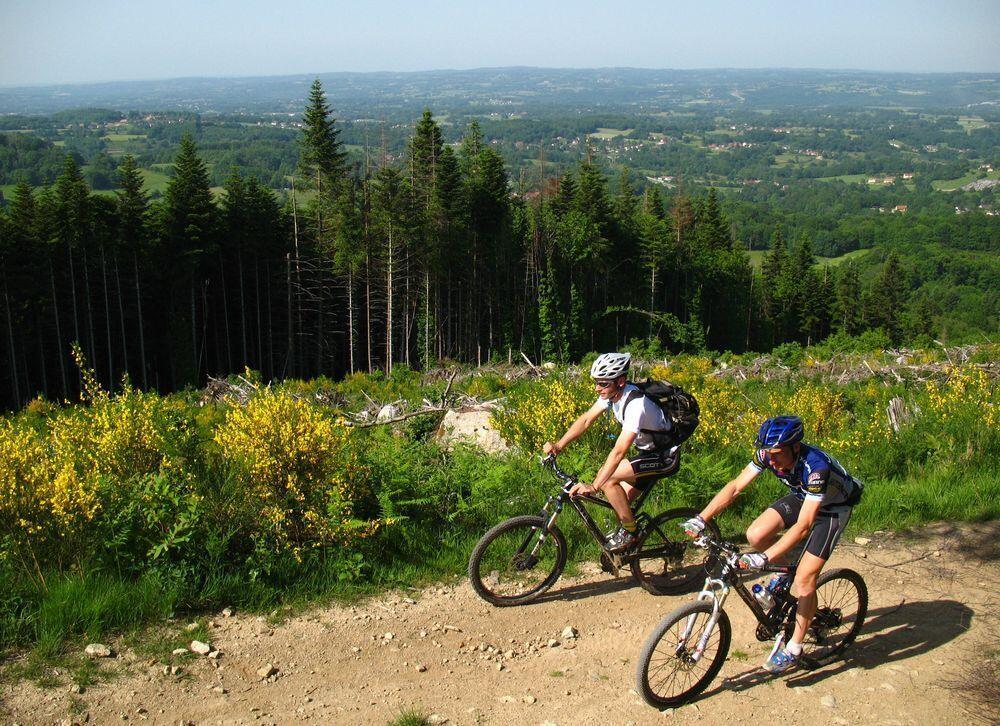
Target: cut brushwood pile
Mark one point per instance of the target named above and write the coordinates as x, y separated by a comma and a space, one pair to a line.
895, 366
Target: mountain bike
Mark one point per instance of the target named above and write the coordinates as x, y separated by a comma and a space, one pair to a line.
522, 557
687, 648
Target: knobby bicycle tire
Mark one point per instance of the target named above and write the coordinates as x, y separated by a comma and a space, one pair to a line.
810, 658
665, 584
667, 657
531, 525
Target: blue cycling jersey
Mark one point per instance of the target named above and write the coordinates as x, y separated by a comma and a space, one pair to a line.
815, 476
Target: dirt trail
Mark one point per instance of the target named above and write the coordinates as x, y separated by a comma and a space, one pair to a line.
457, 659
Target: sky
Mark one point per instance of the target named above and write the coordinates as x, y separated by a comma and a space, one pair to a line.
69, 41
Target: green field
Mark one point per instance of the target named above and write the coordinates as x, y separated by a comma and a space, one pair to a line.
605, 134
790, 159
950, 185
118, 138
846, 178
757, 257
835, 261
969, 123
155, 181
721, 133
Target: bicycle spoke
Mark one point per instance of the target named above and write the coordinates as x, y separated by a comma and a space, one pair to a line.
670, 673
666, 560
517, 562
839, 611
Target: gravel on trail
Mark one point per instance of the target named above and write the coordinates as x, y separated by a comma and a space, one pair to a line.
566, 660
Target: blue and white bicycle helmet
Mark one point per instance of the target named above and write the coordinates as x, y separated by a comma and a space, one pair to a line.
609, 366
779, 431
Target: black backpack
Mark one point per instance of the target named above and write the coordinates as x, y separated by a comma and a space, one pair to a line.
679, 407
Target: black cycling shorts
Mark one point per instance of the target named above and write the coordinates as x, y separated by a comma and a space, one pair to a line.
826, 530
648, 466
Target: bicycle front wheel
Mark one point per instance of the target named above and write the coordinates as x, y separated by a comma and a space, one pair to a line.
841, 606
517, 561
674, 664
666, 560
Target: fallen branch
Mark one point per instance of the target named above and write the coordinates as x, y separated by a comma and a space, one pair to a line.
397, 419
527, 360
447, 390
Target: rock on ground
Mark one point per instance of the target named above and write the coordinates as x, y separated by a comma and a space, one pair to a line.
471, 424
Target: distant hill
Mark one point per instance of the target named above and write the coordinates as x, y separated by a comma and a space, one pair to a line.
508, 89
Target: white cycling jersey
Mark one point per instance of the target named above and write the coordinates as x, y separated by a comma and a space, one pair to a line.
636, 412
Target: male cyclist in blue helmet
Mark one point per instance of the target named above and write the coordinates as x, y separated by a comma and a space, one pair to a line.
819, 506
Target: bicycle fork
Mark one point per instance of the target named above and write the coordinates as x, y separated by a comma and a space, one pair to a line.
543, 532
717, 591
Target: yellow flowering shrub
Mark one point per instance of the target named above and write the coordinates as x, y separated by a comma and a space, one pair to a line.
299, 479
28, 496
967, 390
821, 410
727, 417
688, 372
54, 480
543, 412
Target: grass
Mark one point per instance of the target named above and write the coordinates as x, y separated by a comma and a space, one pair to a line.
410, 717
950, 185
847, 256
155, 180
970, 123
791, 159
846, 178
607, 133
757, 258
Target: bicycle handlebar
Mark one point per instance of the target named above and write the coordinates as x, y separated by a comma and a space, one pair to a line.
732, 554
550, 463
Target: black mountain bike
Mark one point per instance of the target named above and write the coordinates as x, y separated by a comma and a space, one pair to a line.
522, 557
687, 648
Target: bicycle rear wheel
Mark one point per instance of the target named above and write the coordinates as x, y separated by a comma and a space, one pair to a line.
842, 603
666, 561
670, 670
517, 560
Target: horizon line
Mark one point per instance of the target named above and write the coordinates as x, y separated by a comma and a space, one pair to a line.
64, 84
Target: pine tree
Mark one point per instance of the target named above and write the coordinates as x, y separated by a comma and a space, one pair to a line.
887, 295
321, 156
802, 284
550, 322
592, 198
72, 220
188, 231
566, 194
424, 153
773, 298
846, 310
712, 231
133, 209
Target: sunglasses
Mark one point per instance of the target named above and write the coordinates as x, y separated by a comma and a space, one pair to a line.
605, 384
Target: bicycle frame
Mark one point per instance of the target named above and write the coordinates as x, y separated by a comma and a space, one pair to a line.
577, 503
717, 590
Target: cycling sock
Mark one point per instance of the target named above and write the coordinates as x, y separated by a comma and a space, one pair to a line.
629, 527
794, 648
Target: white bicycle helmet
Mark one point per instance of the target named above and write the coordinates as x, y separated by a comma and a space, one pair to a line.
609, 366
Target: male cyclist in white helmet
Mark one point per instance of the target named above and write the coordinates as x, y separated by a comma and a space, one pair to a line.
622, 479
